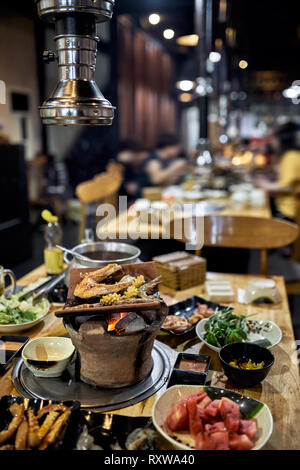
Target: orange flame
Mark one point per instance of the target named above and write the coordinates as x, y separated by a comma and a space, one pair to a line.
113, 319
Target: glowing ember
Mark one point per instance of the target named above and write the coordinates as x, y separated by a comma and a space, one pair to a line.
113, 319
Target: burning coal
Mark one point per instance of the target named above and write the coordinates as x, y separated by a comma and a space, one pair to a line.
125, 323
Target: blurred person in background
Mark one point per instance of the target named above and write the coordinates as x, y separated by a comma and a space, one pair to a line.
133, 158
285, 144
90, 153
165, 165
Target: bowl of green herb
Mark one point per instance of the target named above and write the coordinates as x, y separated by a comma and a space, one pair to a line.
224, 327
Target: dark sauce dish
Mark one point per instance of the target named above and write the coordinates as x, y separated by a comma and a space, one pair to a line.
242, 352
12, 347
192, 358
187, 376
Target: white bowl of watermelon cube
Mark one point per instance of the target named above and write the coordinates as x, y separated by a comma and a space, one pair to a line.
193, 417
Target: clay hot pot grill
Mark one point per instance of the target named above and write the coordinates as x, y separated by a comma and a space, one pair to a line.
114, 343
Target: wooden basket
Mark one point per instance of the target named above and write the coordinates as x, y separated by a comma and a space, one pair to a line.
180, 270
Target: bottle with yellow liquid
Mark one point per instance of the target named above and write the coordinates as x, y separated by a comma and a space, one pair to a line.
53, 256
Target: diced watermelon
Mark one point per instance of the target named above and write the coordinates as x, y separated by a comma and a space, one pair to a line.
240, 442
248, 427
231, 415
195, 421
217, 440
216, 427
213, 408
203, 442
220, 440
177, 419
204, 402
197, 397
207, 418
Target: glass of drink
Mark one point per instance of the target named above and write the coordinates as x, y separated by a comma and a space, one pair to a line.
3, 274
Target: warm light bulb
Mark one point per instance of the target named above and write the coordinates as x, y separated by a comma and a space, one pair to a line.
243, 64
215, 57
169, 33
185, 97
185, 85
154, 18
191, 40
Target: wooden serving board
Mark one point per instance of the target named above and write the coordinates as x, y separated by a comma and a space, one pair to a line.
148, 270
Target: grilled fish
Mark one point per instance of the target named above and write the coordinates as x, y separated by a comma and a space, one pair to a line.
90, 286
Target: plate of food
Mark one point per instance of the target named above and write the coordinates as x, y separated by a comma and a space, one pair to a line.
19, 315
112, 288
224, 327
39, 425
43, 425
208, 418
184, 316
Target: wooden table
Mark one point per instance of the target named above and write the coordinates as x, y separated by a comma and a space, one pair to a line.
129, 220
280, 390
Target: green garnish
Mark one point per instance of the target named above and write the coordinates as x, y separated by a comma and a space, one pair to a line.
263, 300
15, 312
224, 328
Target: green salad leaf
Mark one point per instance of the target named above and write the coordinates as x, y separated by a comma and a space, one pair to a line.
224, 328
15, 312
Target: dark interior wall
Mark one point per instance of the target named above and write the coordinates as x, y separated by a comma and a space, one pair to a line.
146, 76
18, 69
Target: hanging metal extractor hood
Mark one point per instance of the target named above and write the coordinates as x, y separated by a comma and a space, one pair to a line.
76, 99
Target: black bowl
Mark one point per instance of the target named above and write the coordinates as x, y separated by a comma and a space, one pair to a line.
244, 378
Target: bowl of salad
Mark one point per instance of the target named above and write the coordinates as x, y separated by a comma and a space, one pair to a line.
18, 315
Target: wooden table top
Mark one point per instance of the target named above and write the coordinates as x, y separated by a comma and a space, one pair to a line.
280, 390
129, 220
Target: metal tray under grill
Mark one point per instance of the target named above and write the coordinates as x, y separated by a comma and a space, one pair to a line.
93, 398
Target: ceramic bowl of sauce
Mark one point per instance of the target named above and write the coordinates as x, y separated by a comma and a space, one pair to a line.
190, 369
49, 356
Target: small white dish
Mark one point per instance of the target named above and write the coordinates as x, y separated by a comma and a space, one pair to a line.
142, 205
262, 291
173, 395
215, 193
193, 195
49, 356
269, 331
159, 206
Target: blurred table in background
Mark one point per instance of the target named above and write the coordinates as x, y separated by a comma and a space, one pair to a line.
130, 220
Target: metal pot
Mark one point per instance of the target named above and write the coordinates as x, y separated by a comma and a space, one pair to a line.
132, 255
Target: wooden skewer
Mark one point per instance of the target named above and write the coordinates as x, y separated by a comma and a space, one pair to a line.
102, 310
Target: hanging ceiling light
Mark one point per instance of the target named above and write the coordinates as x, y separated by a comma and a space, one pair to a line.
215, 57
243, 64
204, 86
191, 40
76, 99
185, 97
169, 34
154, 19
185, 85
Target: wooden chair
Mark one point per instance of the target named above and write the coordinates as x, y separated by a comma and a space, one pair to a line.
248, 233
100, 189
293, 287
115, 167
117, 179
